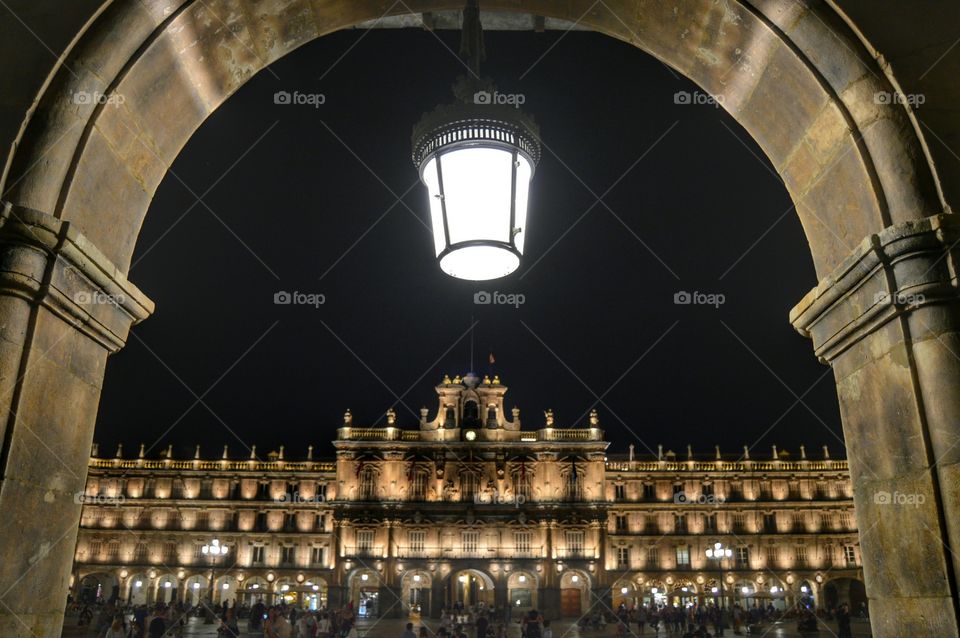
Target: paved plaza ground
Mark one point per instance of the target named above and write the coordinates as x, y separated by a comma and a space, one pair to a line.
392, 628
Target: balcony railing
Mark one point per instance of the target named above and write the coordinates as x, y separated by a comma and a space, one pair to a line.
419, 551
363, 551
576, 552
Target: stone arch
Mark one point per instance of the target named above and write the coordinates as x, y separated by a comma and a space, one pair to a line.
795, 75
838, 591
415, 592
575, 592
796, 79
96, 584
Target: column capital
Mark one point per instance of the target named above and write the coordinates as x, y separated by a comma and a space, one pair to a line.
48, 261
904, 267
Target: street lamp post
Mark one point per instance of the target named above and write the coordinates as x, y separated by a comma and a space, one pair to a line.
213, 550
718, 552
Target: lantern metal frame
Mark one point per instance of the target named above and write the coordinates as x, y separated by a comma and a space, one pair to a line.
462, 125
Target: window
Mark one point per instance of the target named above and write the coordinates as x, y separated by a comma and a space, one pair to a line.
471, 541
322, 492
521, 485
677, 489
623, 557
169, 552
683, 556
621, 523
140, 553
680, 524
468, 486
364, 541
850, 554
523, 540
772, 556
574, 485
257, 555
845, 520
743, 557
113, 549
739, 522
649, 491
368, 485
798, 522
471, 414
769, 523
95, 548
653, 557
801, 555
287, 555
619, 492
321, 522
418, 490
710, 522
417, 539
574, 543
316, 556
707, 489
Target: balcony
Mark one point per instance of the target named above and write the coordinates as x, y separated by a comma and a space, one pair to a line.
419, 551
576, 552
363, 551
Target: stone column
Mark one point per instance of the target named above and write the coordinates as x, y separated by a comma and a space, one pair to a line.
887, 320
63, 308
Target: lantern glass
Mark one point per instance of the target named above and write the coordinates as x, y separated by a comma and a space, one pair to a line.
478, 208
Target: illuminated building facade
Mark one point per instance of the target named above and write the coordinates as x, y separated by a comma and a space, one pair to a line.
470, 507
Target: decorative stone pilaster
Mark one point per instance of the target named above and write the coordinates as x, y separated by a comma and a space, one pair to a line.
63, 308
888, 321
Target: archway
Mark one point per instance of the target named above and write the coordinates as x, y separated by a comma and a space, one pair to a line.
797, 78
99, 586
848, 591
139, 590
254, 589
365, 592
472, 590
166, 589
522, 590
416, 586
195, 590
574, 593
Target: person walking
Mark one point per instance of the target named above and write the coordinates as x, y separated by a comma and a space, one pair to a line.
843, 622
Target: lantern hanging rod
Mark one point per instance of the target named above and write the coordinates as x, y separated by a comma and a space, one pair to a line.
471, 40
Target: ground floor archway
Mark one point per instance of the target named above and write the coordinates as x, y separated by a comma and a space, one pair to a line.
472, 589
574, 593
851, 591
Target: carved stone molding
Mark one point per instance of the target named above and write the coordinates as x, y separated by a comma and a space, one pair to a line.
48, 261
902, 268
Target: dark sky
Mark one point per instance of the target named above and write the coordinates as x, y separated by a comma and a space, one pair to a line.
303, 198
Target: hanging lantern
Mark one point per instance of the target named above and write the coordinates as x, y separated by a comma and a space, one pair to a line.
477, 157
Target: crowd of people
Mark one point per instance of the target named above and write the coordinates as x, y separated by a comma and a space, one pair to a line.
110, 620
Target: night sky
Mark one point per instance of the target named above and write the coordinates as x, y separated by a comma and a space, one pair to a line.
298, 198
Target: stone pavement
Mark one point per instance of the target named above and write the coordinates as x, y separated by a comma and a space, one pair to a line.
392, 628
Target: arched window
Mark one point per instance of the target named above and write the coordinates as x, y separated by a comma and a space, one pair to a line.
471, 414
